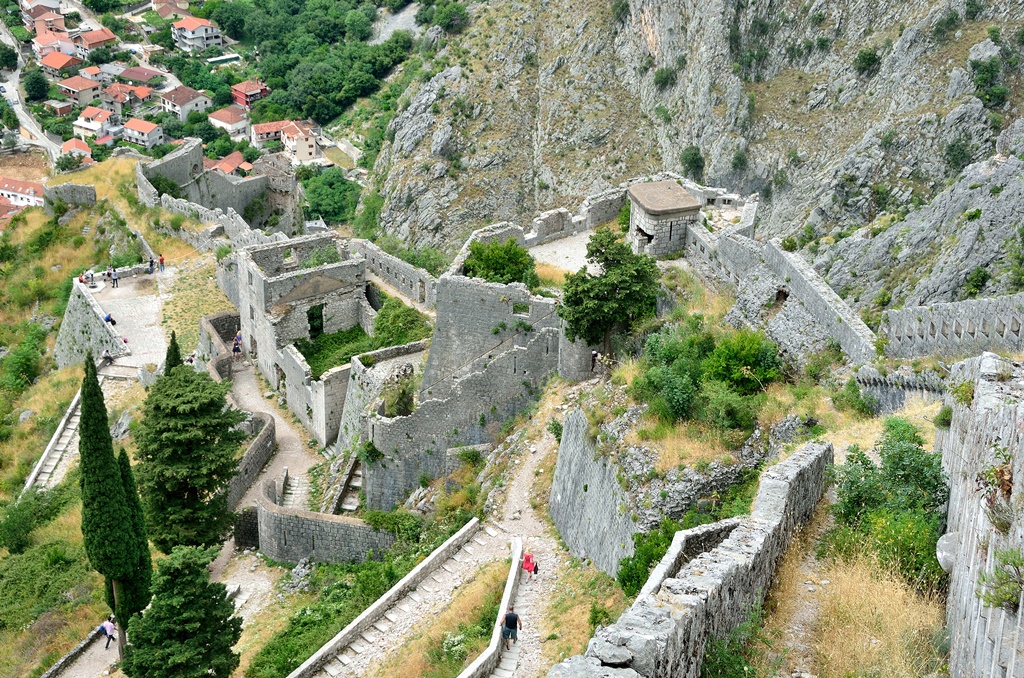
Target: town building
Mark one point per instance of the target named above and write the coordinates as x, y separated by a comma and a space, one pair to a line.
233, 120
183, 100
58, 107
27, 193
120, 99
82, 90
661, 215
141, 76
86, 42
300, 142
93, 122
143, 133
245, 94
56, 62
192, 34
76, 147
49, 42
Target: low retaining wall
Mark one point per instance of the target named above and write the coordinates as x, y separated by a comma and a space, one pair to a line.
957, 328
491, 656
256, 456
290, 534
69, 659
838, 319
665, 632
891, 391
30, 481
408, 583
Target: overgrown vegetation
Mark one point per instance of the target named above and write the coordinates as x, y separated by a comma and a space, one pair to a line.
650, 547
501, 262
895, 508
395, 324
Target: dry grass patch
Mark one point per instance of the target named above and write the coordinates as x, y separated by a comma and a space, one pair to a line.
551, 275
30, 166
872, 623
585, 596
684, 443
864, 432
418, 655
195, 294
626, 371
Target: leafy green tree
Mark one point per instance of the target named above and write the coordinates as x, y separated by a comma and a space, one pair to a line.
866, 61
36, 86
624, 292
746, 360
112, 545
190, 629
357, 26
8, 58
501, 262
69, 161
693, 162
186, 449
231, 16
332, 196
173, 357
452, 17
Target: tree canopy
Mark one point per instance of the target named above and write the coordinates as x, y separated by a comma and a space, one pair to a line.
173, 357
187, 443
189, 630
36, 86
332, 196
624, 292
501, 262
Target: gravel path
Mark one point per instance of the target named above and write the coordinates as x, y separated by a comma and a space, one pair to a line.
569, 254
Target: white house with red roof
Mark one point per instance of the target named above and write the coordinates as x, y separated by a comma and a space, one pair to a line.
193, 34
55, 62
86, 42
49, 42
76, 147
234, 120
143, 133
300, 142
93, 122
183, 100
27, 193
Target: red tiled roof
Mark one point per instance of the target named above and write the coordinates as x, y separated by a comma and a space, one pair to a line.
105, 140
97, 37
51, 36
230, 162
97, 114
191, 23
140, 126
58, 60
269, 127
91, 70
75, 145
248, 87
140, 74
231, 115
22, 187
77, 83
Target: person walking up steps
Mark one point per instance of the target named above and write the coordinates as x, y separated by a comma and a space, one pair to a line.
511, 624
109, 630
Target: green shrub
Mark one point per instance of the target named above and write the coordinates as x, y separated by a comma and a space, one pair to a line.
739, 161
328, 254
1002, 587
975, 281
733, 655
620, 10
503, 263
958, 154
555, 427
222, 251
851, 398
664, 78
944, 418
599, 616
947, 24
789, 244
866, 61
746, 360
973, 9
963, 393
397, 324
164, 185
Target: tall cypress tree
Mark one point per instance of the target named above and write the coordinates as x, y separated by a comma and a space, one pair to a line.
105, 510
190, 630
136, 589
173, 358
187, 449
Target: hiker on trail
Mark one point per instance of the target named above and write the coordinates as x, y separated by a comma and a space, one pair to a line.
511, 624
161, 263
106, 357
529, 564
593, 360
237, 348
110, 319
152, 264
113, 278
109, 630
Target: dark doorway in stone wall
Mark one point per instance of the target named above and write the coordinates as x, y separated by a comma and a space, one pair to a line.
781, 295
315, 316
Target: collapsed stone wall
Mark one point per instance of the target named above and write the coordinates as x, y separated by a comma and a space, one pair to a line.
74, 195
984, 641
83, 330
318, 403
290, 534
955, 328
414, 283
666, 630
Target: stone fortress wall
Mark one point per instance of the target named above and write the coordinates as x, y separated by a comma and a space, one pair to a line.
955, 328
984, 641
414, 283
708, 580
83, 329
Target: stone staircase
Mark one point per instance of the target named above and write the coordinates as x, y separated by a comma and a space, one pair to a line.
525, 603
409, 613
57, 457
295, 493
350, 495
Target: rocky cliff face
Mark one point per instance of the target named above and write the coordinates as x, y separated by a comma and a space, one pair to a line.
540, 103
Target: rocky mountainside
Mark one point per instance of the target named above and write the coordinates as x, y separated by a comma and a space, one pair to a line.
835, 112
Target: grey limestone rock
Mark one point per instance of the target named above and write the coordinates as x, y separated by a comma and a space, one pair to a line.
589, 667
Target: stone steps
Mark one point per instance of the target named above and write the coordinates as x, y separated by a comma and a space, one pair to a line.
386, 631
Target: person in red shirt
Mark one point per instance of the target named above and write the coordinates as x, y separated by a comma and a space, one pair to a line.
529, 564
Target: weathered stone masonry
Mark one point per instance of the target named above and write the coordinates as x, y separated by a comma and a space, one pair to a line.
956, 328
665, 632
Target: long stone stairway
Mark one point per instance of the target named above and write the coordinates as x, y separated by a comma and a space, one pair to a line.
295, 493
64, 448
350, 493
431, 596
525, 603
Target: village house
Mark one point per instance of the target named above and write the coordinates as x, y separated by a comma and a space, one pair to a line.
300, 142
27, 193
49, 22
143, 133
31, 10
192, 34
233, 120
92, 40
76, 147
50, 42
93, 122
120, 99
141, 76
245, 94
183, 100
58, 107
82, 90
56, 62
